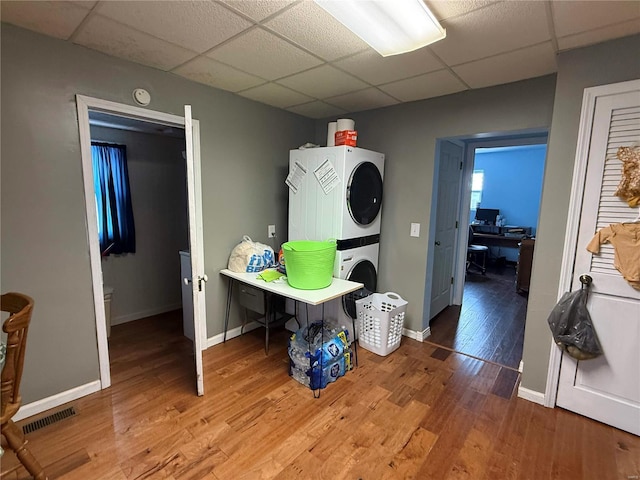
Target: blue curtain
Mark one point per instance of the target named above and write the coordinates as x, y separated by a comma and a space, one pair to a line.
116, 229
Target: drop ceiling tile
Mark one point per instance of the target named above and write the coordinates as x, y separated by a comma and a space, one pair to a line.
362, 100
429, 85
600, 35
498, 28
263, 54
258, 9
322, 82
194, 25
443, 9
316, 109
371, 67
313, 28
275, 95
578, 16
509, 67
113, 38
207, 71
56, 19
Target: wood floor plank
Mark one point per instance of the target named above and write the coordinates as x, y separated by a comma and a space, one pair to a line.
446, 448
627, 455
566, 458
598, 444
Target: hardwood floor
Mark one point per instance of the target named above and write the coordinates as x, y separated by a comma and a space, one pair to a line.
490, 323
422, 412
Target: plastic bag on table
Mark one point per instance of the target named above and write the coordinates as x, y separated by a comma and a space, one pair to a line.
250, 256
572, 327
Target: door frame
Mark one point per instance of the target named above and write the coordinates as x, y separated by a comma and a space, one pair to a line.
84, 105
589, 97
482, 140
531, 137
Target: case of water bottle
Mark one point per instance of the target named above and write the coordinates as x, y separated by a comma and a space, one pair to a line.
319, 354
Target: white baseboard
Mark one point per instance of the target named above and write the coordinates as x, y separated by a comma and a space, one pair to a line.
130, 317
56, 400
419, 336
234, 332
531, 395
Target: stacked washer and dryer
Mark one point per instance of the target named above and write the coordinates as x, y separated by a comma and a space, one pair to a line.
336, 193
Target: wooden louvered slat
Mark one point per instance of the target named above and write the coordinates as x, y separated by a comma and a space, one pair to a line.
624, 131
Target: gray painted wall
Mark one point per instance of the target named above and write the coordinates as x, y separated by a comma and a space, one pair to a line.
610, 62
148, 282
244, 150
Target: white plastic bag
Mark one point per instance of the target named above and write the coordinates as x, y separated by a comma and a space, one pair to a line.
250, 256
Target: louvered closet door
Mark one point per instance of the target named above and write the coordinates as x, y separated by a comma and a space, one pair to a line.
607, 388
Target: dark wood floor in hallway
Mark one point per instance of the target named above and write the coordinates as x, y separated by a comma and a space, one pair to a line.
490, 323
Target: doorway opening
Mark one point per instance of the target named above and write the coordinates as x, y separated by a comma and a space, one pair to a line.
152, 209
143, 305
482, 311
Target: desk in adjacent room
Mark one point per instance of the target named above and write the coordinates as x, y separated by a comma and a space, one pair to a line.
337, 289
495, 240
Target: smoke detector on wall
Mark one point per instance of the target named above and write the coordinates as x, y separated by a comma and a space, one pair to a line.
141, 97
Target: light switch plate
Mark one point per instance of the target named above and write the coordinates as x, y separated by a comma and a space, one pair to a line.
415, 230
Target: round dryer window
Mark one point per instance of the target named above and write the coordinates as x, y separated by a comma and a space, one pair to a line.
364, 272
364, 193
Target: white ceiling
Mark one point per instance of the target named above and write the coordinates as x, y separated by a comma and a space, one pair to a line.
293, 55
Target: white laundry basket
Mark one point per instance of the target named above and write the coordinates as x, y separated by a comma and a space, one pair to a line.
380, 322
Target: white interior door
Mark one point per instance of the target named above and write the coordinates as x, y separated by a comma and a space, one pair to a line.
199, 278
606, 388
450, 171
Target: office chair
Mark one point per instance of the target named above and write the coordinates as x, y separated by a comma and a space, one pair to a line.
19, 307
475, 253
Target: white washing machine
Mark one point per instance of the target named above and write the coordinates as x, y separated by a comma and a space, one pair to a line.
334, 192
358, 264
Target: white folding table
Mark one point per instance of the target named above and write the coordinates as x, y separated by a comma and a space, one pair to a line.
337, 289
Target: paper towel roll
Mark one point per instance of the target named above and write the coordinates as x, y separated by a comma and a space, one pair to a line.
346, 124
331, 133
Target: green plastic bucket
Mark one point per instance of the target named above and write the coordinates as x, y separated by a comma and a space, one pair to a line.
309, 263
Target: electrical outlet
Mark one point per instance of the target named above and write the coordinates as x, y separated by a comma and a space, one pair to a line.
271, 231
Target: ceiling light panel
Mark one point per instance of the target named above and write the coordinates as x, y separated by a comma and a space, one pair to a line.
389, 27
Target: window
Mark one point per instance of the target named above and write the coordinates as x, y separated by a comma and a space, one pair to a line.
116, 229
476, 188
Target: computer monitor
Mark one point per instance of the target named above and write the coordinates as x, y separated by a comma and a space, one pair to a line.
487, 215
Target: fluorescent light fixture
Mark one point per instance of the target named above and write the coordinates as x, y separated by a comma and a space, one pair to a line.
391, 27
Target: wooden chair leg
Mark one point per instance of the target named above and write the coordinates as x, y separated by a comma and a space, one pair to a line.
17, 443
